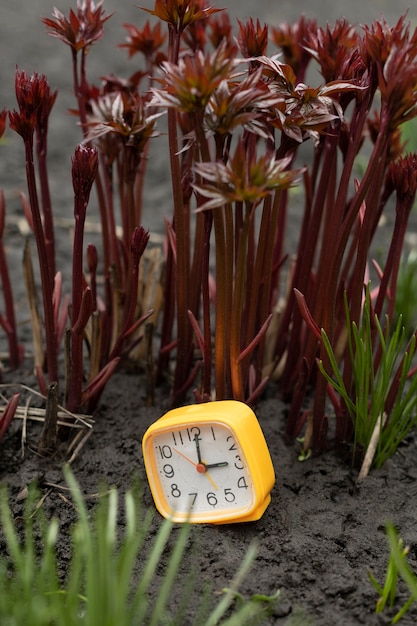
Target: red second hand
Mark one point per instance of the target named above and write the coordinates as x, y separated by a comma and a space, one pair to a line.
200, 467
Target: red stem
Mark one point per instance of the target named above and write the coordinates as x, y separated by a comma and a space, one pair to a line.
48, 221
15, 351
182, 246
77, 331
238, 385
46, 279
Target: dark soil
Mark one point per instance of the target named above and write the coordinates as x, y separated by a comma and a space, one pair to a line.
317, 540
321, 533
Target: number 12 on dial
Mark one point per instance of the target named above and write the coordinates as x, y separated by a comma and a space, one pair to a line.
209, 463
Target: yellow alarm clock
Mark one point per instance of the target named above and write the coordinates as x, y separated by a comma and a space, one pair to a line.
209, 463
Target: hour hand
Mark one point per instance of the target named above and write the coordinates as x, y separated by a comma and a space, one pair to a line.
221, 464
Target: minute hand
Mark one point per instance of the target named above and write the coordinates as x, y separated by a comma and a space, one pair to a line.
197, 445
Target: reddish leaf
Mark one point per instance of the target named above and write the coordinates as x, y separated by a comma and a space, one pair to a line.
8, 414
306, 315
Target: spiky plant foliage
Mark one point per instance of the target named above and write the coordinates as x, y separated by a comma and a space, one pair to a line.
383, 393
114, 577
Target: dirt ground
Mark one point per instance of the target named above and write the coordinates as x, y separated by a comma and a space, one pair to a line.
321, 533
317, 540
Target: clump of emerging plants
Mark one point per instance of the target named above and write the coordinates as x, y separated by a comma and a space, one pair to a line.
241, 308
103, 585
383, 405
397, 569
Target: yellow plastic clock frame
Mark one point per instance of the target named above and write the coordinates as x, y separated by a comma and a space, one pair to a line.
243, 423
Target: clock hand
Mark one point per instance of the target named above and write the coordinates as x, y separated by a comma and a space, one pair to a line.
221, 464
200, 467
200, 462
197, 445
188, 459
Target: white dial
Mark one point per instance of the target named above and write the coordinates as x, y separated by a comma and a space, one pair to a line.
202, 469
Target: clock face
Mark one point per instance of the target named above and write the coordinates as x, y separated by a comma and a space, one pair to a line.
199, 470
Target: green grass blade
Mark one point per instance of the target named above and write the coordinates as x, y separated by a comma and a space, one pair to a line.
140, 603
229, 596
398, 556
170, 575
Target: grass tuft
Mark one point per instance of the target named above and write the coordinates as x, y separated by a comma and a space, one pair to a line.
113, 578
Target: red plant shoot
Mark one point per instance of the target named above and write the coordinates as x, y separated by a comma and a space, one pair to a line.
31, 93
240, 306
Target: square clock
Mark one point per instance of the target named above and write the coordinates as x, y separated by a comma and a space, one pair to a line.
209, 463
